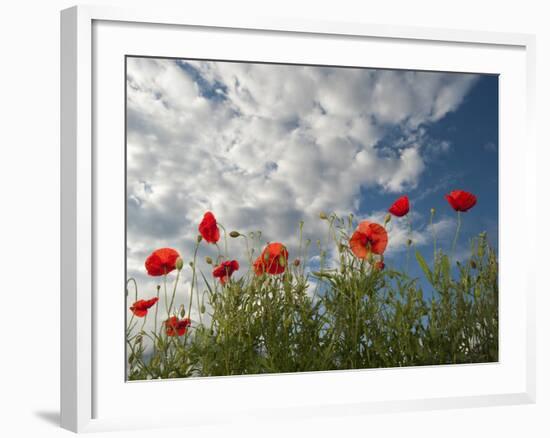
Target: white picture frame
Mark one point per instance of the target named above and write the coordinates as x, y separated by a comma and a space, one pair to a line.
91, 394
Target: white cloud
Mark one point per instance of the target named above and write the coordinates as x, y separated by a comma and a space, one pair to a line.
265, 146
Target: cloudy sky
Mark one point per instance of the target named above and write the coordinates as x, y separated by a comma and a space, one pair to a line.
264, 146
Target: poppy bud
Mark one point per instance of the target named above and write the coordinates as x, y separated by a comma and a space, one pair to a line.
208, 260
199, 238
432, 211
179, 264
323, 215
139, 339
203, 308
296, 262
182, 311
234, 234
191, 264
387, 219
409, 242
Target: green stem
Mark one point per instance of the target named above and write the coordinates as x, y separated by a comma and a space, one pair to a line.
409, 243
193, 278
433, 235
156, 311
458, 223
135, 286
225, 239
174, 292
166, 295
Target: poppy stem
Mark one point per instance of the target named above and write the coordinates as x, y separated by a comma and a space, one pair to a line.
193, 279
156, 315
166, 295
135, 286
225, 240
409, 243
433, 234
458, 223
174, 292
248, 253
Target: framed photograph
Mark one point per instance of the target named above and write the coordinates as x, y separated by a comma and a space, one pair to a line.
290, 218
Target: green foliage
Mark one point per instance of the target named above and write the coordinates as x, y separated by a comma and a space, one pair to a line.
356, 316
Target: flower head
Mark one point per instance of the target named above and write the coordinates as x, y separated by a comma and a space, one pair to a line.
369, 237
400, 207
176, 327
272, 260
140, 307
161, 261
461, 200
224, 270
209, 228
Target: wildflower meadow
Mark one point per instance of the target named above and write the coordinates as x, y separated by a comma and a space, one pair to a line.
280, 314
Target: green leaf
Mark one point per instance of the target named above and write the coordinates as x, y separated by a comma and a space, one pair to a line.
424, 266
445, 267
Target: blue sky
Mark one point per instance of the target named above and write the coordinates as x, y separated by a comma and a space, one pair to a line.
264, 146
470, 163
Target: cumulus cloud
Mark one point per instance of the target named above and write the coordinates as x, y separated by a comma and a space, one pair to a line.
266, 146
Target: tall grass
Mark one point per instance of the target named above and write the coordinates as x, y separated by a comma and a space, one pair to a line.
350, 313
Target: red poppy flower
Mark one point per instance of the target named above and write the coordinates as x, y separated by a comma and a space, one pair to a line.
258, 266
272, 260
379, 265
161, 261
461, 200
368, 237
140, 307
400, 207
175, 326
225, 270
209, 228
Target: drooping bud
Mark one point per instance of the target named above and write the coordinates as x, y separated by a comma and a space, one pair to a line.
199, 238
387, 219
208, 260
234, 234
179, 264
323, 215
